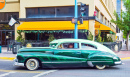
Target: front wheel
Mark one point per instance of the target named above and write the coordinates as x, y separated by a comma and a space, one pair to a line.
100, 67
32, 64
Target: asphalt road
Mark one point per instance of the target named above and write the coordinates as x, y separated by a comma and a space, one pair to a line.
8, 70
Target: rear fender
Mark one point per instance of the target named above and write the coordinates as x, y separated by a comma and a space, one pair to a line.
102, 58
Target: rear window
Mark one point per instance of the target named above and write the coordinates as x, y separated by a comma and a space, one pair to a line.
88, 46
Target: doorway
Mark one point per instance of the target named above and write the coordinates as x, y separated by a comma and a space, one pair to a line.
5, 36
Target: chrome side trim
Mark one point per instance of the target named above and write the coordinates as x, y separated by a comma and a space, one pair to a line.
101, 61
18, 64
90, 64
118, 63
66, 62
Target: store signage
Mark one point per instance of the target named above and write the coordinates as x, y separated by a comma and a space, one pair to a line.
2, 4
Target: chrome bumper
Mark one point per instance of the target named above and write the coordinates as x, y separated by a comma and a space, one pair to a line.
18, 64
118, 63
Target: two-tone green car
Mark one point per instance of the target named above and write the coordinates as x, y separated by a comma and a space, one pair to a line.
67, 53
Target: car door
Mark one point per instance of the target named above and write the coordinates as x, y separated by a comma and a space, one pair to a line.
68, 57
87, 49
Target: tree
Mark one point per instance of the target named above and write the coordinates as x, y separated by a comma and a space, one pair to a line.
124, 22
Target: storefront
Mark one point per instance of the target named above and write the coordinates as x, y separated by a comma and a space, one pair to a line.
59, 29
6, 34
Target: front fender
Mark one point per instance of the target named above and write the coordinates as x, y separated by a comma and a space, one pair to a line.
22, 57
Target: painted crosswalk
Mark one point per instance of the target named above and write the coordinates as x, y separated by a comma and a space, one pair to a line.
21, 73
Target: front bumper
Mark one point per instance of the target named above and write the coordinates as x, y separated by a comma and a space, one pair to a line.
118, 63
16, 63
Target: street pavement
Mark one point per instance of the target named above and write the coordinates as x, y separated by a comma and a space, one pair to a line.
8, 70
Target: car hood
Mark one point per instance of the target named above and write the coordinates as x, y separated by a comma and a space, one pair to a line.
35, 49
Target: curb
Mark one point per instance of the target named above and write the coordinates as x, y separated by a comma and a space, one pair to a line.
12, 58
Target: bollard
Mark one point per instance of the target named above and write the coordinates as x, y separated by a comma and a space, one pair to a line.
0, 49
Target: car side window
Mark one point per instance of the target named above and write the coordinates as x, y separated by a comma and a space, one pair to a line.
67, 46
87, 46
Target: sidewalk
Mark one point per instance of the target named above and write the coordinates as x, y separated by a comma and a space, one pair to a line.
123, 54
6, 55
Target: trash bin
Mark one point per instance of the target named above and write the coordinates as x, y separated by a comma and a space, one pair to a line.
0, 49
16, 47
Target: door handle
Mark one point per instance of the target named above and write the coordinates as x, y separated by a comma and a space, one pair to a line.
79, 52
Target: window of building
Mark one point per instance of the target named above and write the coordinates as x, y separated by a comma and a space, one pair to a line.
105, 21
108, 23
48, 12
6, 16
97, 13
101, 17
106, 2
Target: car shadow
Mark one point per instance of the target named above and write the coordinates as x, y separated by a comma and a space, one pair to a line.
69, 68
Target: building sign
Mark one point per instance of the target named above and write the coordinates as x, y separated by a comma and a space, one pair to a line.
6, 27
2, 4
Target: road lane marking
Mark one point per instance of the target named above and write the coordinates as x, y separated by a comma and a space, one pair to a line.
7, 58
126, 58
44, 73
5, 74
21, 71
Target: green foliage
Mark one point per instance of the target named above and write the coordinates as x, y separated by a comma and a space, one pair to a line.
51, 37
90, 36
123, 20
99, 38
109, 39
20, 38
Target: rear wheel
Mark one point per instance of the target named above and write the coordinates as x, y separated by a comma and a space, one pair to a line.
32, 64
100, 67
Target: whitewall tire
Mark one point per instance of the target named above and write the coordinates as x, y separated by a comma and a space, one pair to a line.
100, 67
32, 64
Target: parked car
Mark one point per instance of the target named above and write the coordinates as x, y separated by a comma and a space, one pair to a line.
67, 53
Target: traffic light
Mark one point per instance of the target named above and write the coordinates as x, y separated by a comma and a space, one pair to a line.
82, 9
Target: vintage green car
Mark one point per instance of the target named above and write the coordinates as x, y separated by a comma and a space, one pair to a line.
67, 53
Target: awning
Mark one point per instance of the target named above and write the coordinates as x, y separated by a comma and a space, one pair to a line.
102, 27
51, 25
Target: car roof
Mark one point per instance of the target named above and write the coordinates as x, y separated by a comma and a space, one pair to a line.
100, 46
72, 40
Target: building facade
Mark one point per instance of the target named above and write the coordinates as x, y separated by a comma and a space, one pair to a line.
40, 18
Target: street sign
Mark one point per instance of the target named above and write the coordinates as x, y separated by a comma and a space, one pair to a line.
74, 20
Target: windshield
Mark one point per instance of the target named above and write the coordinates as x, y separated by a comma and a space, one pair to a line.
53, 44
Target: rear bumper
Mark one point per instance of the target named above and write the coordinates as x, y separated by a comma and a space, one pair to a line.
118, 63
16, 63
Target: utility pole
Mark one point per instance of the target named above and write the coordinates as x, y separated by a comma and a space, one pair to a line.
76, 25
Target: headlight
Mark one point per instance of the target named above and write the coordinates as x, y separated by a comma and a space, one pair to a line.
115, 58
